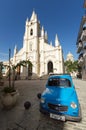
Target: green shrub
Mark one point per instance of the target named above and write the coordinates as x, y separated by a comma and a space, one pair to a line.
8, 89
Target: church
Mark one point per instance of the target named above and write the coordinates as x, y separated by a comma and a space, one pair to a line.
45, 57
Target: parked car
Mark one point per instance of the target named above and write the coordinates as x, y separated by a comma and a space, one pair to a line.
60, 99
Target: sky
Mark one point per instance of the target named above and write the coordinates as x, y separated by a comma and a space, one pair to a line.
61, 17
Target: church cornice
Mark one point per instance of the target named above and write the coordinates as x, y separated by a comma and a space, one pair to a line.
51, 56
53, 50
31, 38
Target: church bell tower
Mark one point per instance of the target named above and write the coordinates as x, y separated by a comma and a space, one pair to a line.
31, 40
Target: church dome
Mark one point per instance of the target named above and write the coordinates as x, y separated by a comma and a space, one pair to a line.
70, 56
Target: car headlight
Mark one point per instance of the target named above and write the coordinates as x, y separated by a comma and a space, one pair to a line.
73, 105
42, 100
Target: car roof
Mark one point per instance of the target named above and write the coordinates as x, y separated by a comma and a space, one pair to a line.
67, 76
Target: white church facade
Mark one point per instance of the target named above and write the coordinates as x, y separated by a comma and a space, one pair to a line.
45, 57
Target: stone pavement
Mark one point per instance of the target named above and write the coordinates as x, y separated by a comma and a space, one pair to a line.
20, 119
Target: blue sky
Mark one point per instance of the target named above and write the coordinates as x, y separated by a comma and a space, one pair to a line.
57, 16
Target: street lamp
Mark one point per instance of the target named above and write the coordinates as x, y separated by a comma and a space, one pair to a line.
9, 67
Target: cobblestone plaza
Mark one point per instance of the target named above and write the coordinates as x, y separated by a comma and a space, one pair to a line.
20, 119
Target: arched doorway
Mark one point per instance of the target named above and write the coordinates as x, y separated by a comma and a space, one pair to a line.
50, 67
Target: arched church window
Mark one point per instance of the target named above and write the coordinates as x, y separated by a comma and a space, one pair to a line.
31, 32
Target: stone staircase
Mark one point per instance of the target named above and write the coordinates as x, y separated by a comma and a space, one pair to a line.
44, 77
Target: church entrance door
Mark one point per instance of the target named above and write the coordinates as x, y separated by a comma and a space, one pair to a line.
50, 67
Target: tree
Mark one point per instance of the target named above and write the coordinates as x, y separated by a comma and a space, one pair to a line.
71, 66
23, 63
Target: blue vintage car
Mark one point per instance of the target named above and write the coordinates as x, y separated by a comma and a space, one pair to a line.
59, 99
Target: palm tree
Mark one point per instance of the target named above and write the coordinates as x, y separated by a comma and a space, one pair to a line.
71, 66
23, 63
29, 67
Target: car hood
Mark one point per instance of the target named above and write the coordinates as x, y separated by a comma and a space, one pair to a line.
59, 94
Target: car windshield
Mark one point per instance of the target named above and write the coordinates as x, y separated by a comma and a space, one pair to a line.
59, 82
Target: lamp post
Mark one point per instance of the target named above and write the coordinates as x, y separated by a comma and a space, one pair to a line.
9, 67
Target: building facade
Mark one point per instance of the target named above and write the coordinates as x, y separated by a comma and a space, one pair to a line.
45, 57
81, 45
